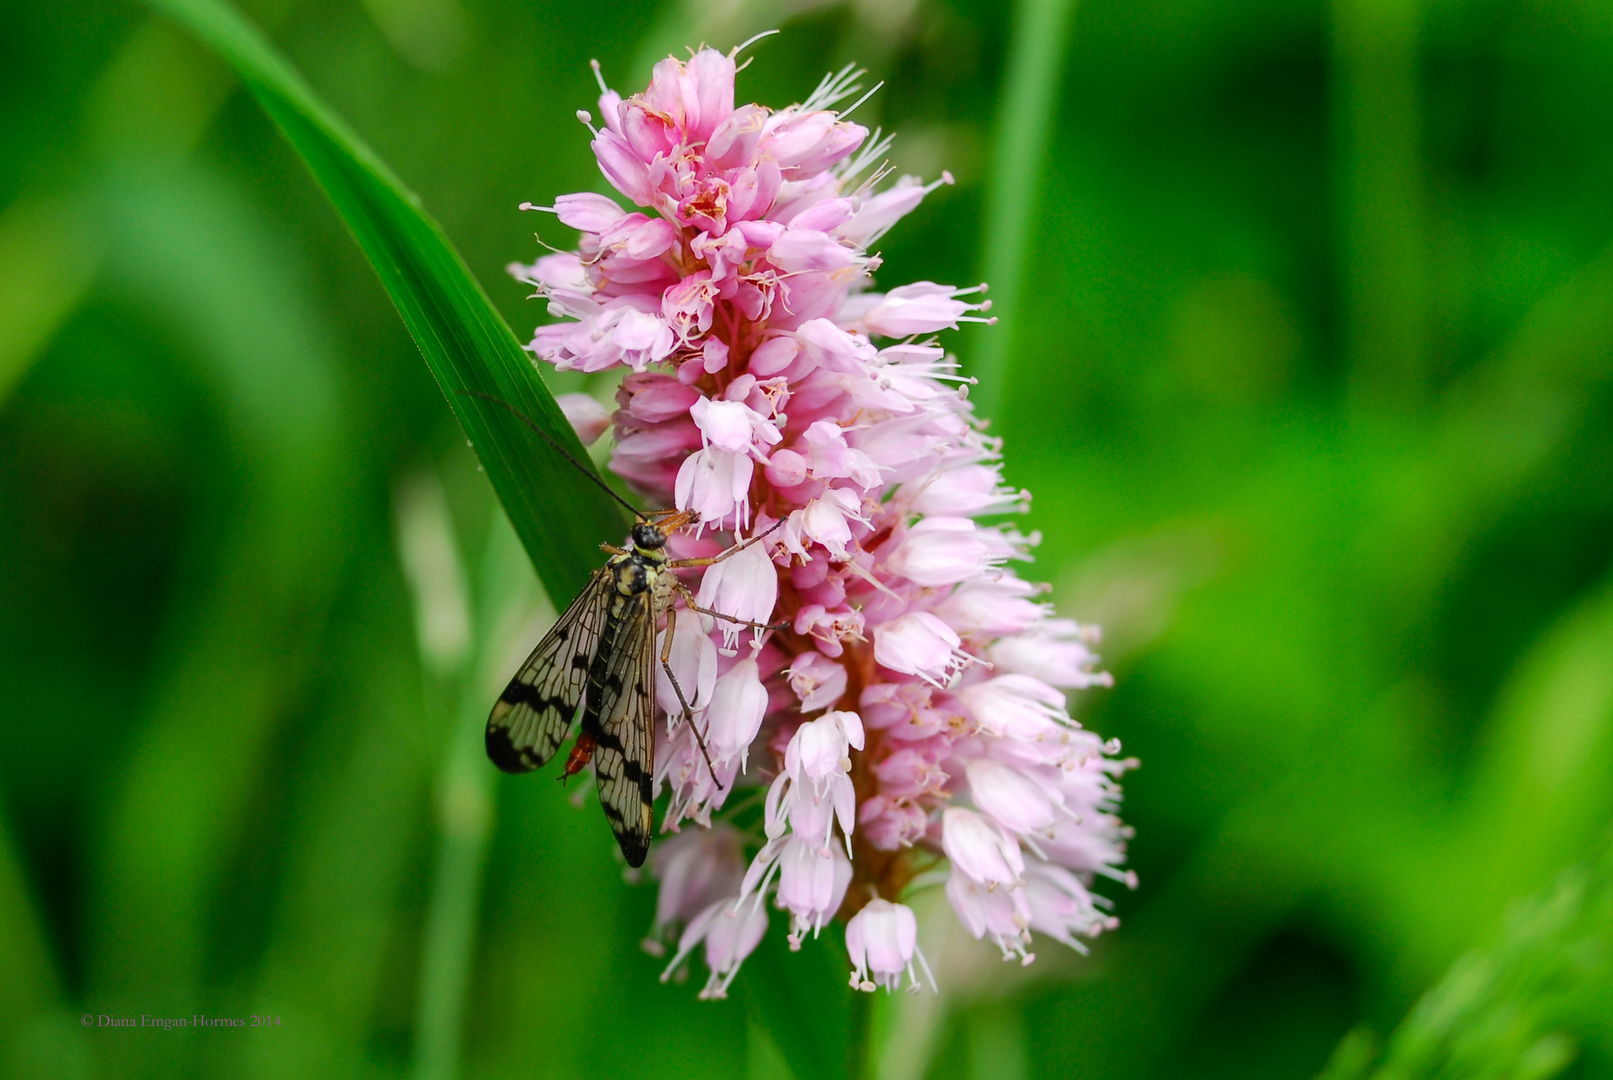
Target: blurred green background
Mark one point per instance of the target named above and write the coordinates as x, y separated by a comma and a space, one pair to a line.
1308, 328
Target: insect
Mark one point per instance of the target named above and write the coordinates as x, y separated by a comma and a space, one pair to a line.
600, 655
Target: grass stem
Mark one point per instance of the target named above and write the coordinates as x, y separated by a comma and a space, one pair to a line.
1034, 73
465, 803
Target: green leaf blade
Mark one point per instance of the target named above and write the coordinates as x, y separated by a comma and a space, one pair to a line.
559, 514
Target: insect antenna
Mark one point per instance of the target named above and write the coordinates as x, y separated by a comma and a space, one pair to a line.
556, 447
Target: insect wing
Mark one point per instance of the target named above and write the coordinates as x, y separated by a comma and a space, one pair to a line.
531, 717
624, 757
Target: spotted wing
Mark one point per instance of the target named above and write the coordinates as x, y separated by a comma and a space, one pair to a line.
530, 719
624, 756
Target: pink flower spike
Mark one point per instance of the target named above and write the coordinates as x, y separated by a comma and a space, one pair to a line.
832, 459
786, 469
816, 680
826, 345
729, 937
825, 520
738, 298
715, 484
1004, 914
966, 491
820, 748
588, 212
811, 885
696, 868
920, 644
561, 272
1062, 908
707, 92
624, 169
587, 417
825, 216
881, 941
879, 212
805, 144
744, 586
693, 660
773, 356
1017, 706
738, 703
1016, 802
981, 850
1056, 653
653, 398
732, 425
942, 551
799, 250
921, 308
733, 142
640, 338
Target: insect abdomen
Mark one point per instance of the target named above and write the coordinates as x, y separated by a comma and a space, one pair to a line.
600, 675
581, 751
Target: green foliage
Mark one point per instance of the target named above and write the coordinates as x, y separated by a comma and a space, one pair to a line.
468, 346
1504, 1011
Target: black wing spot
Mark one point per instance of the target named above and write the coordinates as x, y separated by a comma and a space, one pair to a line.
580, 662
520, 693
634, 848
503, 753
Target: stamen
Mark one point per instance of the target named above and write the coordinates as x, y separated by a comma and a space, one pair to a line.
853, 566
847, 112
747, 43
834, 87
929, 976
877, 146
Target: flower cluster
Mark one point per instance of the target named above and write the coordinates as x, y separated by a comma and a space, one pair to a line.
909, 717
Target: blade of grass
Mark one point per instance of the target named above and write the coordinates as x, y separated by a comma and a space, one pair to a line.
1538, 793
559, 515
150, 104
797, 998
465, 805
1378, 121
48, 256
1504, 1010
31, 998
266, 552
1497, 428
1025, 118
351, 856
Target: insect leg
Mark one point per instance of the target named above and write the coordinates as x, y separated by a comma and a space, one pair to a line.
688, 713
678, 564
611, 549
689, 601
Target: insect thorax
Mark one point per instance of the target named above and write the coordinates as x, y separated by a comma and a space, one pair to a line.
638, 571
